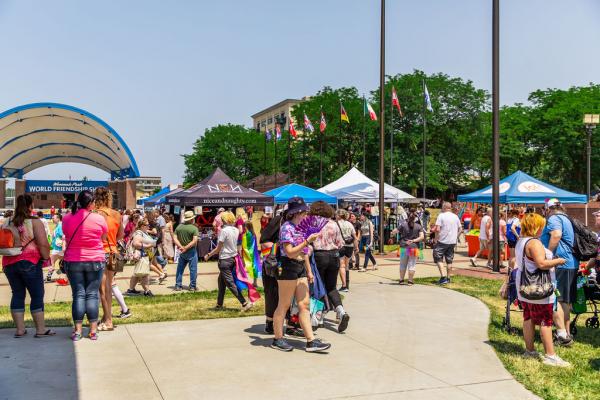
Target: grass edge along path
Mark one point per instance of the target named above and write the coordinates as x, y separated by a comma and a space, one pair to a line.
582, 381
182, 306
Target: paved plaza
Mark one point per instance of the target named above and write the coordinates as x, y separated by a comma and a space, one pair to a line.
403, 342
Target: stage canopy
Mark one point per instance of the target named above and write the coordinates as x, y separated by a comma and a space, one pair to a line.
40, 134
219, 190
522, 188
284, 193
355, 186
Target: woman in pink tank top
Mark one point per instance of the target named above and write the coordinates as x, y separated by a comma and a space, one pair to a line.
24, 271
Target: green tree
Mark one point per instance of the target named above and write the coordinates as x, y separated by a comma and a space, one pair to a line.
237, 150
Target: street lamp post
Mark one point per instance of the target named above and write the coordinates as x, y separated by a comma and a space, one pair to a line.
496, 133
590, 121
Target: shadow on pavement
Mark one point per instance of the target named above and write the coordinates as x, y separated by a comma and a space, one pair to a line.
38, 368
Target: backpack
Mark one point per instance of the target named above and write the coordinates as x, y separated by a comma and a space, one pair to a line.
10, 240
585, 243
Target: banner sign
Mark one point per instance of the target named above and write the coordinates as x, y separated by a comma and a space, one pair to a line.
62, 186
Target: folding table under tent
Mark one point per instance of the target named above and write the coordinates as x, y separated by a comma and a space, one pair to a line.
218, 190
354, 186
284, 193
525, 189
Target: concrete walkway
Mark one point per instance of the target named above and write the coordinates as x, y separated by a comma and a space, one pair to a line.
402, 343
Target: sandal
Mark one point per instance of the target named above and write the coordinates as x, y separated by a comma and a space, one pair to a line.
17, 336
76, 336
401, 282
102, 327
93, 336
48, 333
410, 283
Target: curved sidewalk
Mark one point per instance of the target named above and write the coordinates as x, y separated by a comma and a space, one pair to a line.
402, 342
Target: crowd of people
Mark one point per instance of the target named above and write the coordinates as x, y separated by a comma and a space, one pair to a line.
91, 243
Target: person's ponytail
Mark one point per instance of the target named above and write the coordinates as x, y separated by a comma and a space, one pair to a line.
23, 207
84, 199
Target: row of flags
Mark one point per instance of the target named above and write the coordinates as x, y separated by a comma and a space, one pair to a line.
344, 115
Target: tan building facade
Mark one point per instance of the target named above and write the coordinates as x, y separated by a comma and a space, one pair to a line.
147, 186
267, 118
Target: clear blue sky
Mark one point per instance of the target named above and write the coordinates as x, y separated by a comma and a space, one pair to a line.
160, 72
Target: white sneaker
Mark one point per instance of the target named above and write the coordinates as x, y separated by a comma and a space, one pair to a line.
532, 354
555, 361
248, 306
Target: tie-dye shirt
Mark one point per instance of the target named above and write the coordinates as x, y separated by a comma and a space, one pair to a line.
289, 234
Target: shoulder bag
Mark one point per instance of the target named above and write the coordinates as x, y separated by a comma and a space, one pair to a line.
535, 285
61, 264
349, 240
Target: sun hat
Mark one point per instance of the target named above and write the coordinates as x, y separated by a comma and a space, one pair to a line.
188, 216
595, 213
295, 205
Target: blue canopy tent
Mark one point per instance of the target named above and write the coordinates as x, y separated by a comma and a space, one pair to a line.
522, 188
162, 192
284, 193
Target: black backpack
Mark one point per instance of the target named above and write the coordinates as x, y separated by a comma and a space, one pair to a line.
585, 245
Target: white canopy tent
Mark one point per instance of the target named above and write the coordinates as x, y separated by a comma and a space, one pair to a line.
355, 186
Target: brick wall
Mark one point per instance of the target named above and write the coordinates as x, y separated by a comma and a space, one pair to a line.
2, 193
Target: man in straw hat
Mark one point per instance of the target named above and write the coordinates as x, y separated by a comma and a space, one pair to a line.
186, 237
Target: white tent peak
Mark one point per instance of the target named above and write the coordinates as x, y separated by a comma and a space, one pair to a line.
356, 186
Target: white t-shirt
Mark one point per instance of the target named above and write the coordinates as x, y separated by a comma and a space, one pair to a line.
228, 236
483, 227
449, 226
531, 267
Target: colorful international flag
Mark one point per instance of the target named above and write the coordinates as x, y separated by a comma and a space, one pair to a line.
369, 109
292, 129
323, 124
267, 134
343, 114
396, 101
307, 124
277, 132
427, 98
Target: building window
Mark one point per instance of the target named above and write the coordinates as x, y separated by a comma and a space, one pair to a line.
270, 121
263, 123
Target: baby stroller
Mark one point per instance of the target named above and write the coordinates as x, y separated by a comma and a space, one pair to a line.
511, 298
591, 290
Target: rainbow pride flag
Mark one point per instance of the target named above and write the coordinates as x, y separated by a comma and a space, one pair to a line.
243, 282
252, 256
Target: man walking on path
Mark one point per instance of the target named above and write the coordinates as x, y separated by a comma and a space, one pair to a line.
448, 228
186, 237
558, 236
485, 237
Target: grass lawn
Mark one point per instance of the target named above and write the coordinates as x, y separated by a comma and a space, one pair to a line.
582, 381
173, 307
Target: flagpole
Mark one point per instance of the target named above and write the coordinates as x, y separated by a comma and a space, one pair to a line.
304, 157
265, 164
382, 130
289, 155
392, 145
424, 141
364, 140
321, 159
276, 163
496, 133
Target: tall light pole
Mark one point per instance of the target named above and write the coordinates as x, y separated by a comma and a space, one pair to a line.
496, 132
381, 129
590, 121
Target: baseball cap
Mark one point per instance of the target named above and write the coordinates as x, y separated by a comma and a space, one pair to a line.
552, 202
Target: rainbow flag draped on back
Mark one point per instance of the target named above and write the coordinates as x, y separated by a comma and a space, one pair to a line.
243, 282
252, 261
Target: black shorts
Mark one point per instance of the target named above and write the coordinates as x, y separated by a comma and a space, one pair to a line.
346, 251
511, 243
291, 269
566, 283
443, 251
